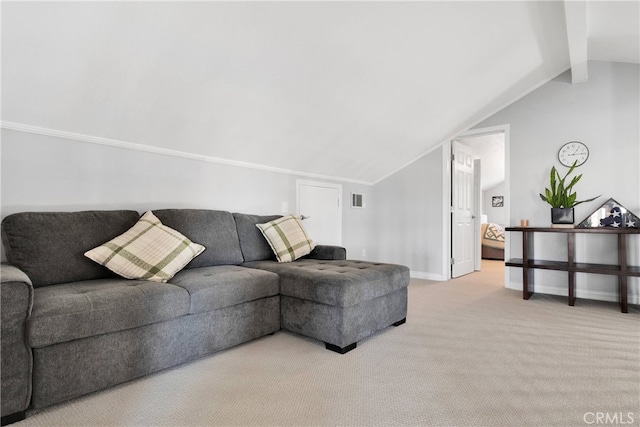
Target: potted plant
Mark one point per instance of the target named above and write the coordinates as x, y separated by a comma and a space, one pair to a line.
561, 196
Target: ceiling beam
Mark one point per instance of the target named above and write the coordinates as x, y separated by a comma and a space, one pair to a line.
575, 12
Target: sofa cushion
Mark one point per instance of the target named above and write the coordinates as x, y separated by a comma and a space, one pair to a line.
215, 230
222, 286
253, 244
81, 309
49, 246
337, 283
328, 252
287, 238
149, 250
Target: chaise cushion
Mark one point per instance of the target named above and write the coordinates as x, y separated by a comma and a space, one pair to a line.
253, 244
215, 230
287, 238
337, 283
149, 250
81, 309
49, 246
222, 286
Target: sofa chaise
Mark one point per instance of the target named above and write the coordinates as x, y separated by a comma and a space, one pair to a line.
71, 326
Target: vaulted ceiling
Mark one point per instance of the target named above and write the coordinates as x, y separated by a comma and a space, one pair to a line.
352, 90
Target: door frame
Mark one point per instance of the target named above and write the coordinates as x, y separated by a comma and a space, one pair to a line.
477, 223
300, 182
446, 191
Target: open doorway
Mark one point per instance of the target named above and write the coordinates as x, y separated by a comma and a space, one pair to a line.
490, 213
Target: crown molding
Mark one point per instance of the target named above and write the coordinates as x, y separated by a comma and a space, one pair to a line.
167, 152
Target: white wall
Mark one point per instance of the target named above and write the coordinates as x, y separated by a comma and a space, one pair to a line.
494, 214
603, 113
250, 80
357, 223
408, 217
44, 173
403, 219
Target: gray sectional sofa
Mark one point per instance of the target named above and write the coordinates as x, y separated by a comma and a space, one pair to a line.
72, 327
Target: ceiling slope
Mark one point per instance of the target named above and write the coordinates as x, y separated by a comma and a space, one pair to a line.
353, 90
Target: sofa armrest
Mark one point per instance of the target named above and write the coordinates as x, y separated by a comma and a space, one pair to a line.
16, 302
328, 252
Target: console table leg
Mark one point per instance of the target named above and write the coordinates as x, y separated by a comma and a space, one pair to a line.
622, 280
527, 273
623, 294
571, 258
527, 283
572, 288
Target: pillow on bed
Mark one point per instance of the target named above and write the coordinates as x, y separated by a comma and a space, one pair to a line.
493, 232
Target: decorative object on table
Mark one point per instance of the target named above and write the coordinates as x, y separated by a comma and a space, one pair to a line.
573, 152
497, 201
561, 196
562, 216
611, 214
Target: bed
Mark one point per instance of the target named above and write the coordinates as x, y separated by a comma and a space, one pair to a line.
492, 241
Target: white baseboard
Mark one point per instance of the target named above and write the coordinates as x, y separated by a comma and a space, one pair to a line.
610, 296
426, 276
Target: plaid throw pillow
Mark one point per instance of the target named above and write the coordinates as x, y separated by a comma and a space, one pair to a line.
287, 238
148, 250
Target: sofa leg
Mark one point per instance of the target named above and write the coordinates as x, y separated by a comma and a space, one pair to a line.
13, 418
400, 322
341, 350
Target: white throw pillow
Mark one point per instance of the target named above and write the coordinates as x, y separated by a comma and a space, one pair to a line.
149, 250
287, 238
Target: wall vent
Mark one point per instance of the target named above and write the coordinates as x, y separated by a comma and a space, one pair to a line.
357, 200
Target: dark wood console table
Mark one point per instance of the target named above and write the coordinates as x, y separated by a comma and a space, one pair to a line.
528, 263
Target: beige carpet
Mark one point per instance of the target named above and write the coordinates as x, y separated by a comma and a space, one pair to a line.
471, 353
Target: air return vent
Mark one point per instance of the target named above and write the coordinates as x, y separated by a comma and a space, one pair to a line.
357, 200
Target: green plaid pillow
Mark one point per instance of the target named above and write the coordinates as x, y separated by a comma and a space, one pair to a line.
287, 238
148, 250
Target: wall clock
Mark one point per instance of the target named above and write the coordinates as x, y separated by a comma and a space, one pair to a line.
573, 151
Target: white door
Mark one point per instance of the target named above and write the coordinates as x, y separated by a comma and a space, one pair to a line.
321, 206
462, 218
477, 211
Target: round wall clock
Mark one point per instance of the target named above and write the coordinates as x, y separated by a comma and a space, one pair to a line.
573, 151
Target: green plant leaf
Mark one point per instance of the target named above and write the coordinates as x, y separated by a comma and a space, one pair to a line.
561, 195
573, 166
548, 195
588, 200
574, 181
